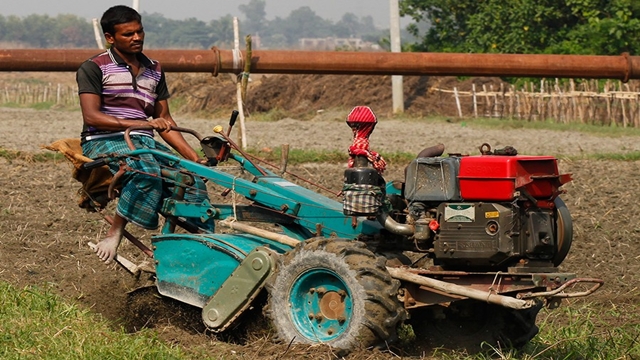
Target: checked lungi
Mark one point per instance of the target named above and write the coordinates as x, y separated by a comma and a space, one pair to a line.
142, 195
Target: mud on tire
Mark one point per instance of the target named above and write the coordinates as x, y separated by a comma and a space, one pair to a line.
335, 292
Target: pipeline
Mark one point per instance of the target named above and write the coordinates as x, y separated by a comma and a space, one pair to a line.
623, 67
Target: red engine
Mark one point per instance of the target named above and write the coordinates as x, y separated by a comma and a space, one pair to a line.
488, 211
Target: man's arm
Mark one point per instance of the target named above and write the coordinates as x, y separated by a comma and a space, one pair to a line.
92, 116
173, 138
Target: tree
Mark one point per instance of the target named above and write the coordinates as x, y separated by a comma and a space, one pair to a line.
222, 31
71, 31
192, 33
348, 26
604, 27
255, 14
304, 23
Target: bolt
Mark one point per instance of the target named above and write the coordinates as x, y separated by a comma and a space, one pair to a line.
330, 332
319, 317
342, 293
312, 290
341, 320
321, 291
253, 192
257, 264
212, 315
311, 316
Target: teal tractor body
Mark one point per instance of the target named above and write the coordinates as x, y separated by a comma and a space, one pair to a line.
458, 236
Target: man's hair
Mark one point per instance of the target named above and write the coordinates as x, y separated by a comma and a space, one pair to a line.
117, 15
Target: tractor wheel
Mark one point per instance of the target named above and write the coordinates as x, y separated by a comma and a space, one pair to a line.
564, 231
334, 292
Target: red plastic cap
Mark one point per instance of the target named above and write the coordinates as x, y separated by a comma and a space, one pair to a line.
362, 114
434, 225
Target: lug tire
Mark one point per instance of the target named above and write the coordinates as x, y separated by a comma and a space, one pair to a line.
322, 275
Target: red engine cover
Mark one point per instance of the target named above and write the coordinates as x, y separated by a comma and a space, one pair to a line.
496, 178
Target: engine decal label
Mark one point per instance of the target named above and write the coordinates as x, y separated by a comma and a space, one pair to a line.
492, 214
459, 213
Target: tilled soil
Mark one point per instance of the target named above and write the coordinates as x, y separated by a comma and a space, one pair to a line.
43, 233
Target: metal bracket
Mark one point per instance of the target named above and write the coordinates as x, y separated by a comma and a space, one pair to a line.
238, 291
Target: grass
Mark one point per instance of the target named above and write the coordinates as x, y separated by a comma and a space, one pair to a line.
572, 333
30, 157
608, 131
34, 323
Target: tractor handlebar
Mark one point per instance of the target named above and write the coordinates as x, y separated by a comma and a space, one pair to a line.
127, 133
95, 163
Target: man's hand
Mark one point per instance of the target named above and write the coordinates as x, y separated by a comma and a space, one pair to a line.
160, 124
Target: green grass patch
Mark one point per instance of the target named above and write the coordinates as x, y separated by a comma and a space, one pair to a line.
572, 333
35, 324
631, 156
608, 131
299, 156
28, 156
47, 105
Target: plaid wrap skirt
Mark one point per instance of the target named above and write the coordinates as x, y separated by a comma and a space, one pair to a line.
142, 195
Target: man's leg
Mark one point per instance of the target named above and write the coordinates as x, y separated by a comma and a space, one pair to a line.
107, 247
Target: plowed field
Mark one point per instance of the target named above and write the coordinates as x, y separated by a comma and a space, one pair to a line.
43, 233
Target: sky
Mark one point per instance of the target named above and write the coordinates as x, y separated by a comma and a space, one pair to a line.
205, 10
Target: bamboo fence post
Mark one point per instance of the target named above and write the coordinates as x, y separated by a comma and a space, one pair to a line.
541, 99
606, 94
632, 115
502, 101
487, 109
475, 101
455, 92
625, 120
511, 98
518, 105
533, 101
495, 101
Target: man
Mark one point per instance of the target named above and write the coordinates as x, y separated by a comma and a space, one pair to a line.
120, 88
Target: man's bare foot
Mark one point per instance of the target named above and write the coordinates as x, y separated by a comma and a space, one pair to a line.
107, 247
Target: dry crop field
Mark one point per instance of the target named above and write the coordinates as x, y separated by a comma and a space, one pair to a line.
43, 233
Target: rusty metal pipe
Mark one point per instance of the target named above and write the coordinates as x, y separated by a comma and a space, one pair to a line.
623, 67
449, 288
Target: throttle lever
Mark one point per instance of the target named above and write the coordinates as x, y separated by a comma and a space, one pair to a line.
224, 149
232, 121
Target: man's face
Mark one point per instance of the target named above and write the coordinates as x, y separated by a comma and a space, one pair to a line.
128, 38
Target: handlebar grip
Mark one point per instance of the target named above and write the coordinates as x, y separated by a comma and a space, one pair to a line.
95, 163
234, 117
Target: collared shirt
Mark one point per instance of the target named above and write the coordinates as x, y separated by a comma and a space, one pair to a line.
124, 95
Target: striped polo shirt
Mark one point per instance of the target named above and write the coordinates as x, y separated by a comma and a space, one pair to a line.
123, 95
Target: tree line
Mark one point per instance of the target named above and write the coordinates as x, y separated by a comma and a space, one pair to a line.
71, 31
587, 27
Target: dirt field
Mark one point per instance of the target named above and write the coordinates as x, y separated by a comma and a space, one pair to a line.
43, 233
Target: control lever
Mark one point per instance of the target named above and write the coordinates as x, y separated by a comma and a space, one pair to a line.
225, 147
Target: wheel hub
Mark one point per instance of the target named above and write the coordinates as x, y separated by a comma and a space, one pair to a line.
332, 305
320, 305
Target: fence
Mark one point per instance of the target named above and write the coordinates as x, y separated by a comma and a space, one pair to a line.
591, 102
28, 94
